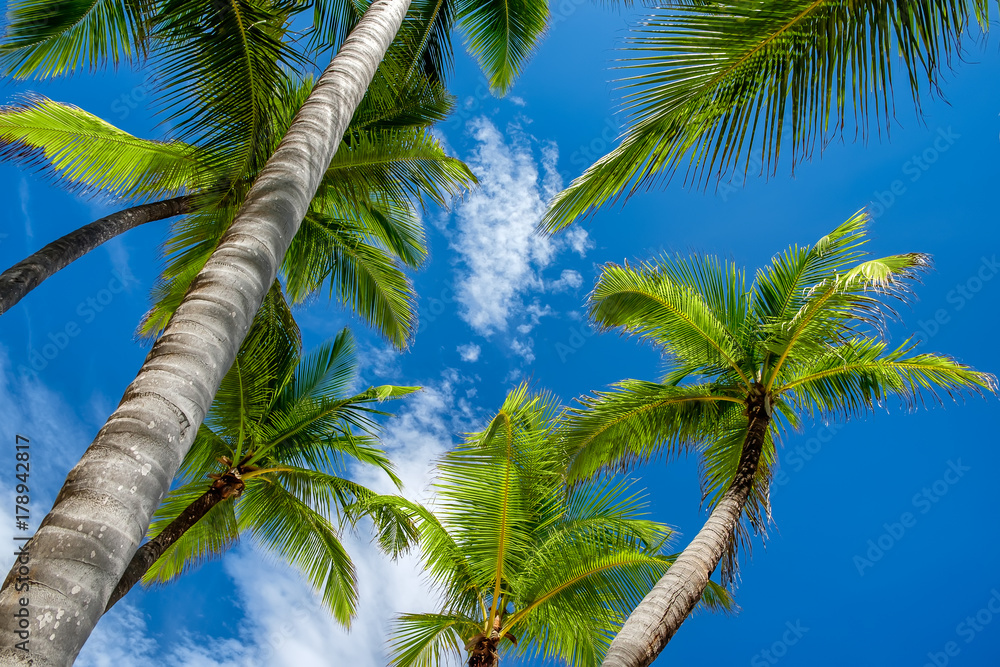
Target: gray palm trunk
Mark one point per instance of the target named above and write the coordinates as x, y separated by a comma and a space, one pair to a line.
85, 543
26, 275
654, 621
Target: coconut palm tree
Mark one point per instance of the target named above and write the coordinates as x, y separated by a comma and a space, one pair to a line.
523, 563
159, 415
367, 197
719, 86
272, 461
744, 365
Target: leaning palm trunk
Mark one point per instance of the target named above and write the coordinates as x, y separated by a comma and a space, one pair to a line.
84, 544
655, 620
228, 486
26, 275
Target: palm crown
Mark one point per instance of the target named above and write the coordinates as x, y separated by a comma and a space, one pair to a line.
283, 432
801, 341
521, 561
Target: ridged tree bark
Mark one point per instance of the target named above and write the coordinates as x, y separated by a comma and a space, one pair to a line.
228, 486
26, 275
654, 621
102, 512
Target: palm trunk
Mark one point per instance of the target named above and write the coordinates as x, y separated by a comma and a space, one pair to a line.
222, 489
85, 543
654, 621
26, 275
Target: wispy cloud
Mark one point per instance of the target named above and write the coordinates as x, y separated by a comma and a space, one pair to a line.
25, 196
502, 258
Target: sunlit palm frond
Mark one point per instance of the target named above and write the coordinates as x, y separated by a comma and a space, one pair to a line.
646, 301
44, 39
725, 85
204, 53
424, 640
501, 35
637, 421
304, 538
85, 153
857, 376
210, 537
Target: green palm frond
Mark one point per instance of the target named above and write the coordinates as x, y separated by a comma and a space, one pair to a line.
648, 302
782, 287
207, 539
859, 375
501, 35
87, 154
365, 278
204, 52
836, 308
558, 568
400, 164
43, 38
637, 421
303, 537
424, 640
720, 85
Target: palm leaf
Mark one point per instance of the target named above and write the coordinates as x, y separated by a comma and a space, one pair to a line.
85, 153
44, 39
720, 84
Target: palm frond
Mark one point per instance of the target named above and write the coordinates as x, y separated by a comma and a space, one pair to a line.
859, 375
84, 153
646, 301
424, 640
296, 533
208, 538
637, 421
44, 39
722, 85
501, 35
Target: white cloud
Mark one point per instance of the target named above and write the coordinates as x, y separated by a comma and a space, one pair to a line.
519, 101
469, 352
577, 239
523, 348
501, 254
568, 279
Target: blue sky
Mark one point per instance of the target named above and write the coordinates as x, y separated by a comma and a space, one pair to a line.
499, 304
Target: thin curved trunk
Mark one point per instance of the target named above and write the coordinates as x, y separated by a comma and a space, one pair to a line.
654, 621
225, 488
102, 512
26, 275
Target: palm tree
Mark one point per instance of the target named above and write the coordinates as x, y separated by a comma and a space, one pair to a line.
720, 85
523, 562
745, 365
269, 461
362, 229
159, 415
